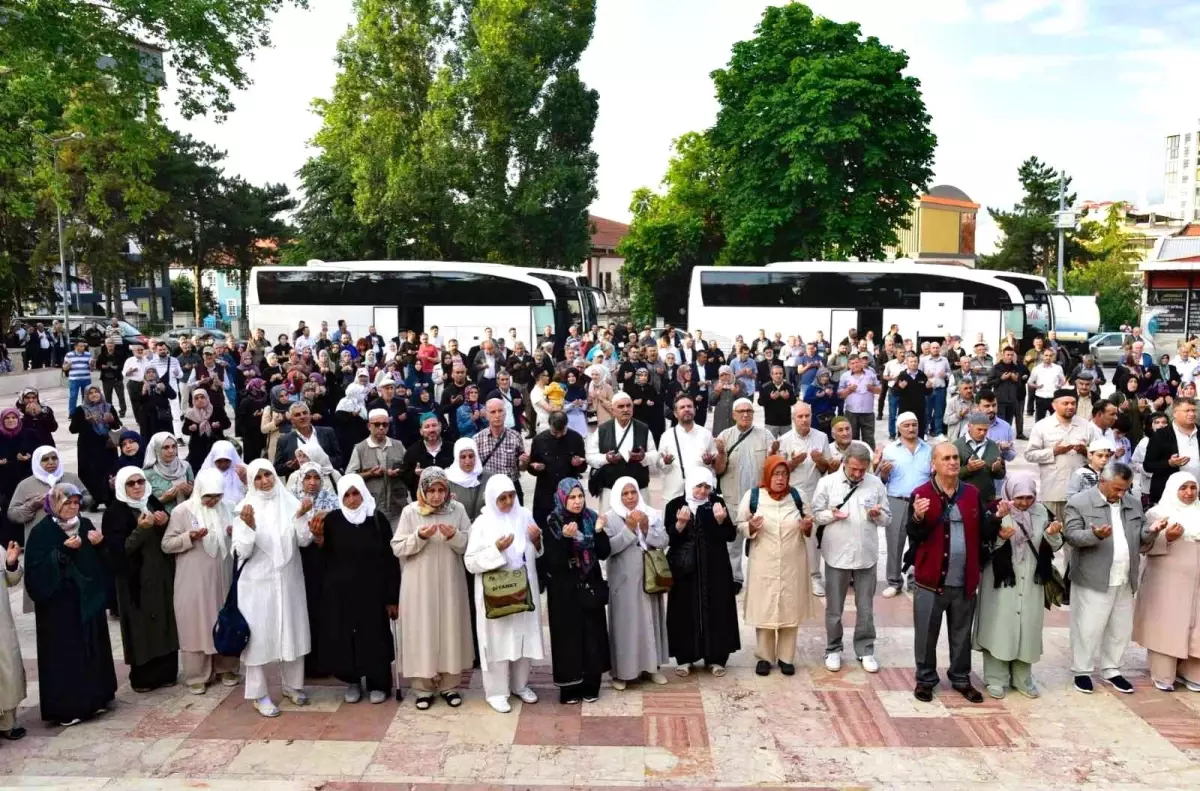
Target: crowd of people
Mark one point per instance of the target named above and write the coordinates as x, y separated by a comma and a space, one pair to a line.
359, 503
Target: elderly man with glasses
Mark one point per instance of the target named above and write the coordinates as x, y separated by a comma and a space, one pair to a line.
379, 459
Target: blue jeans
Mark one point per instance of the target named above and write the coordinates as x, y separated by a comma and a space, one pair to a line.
75, 389
893, 408
935, 409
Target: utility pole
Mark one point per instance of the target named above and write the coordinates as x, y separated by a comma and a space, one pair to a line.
1062, 207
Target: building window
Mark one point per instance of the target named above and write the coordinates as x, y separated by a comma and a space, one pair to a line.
1173, 147
607, 282
231, 308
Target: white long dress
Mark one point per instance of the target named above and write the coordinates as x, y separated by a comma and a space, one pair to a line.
271, 589
516, 636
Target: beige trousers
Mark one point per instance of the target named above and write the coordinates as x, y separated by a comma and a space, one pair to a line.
1167, 668
443, 683
199, 667
776, 644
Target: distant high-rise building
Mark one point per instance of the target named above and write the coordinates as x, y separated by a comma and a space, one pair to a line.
1181, 174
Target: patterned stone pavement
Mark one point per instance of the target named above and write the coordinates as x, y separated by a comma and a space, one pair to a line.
814, 730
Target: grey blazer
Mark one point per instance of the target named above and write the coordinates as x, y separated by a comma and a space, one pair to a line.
1091, 557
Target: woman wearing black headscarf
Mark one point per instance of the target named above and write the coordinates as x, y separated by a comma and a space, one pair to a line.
16, 450
92, 421
647, 403
248, 423
39, 419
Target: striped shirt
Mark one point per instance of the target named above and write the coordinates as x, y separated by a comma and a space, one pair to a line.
79, 366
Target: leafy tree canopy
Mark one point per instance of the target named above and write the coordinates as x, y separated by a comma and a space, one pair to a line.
820, 147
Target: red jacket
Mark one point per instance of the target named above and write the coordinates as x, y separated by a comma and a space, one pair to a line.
929, 539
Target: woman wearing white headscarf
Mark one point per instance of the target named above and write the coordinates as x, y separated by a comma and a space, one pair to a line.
1166, 616
225, 459
198, 536
433, 631
702, 621
169, 477
309, 456
133, 527
467, 478
269, 528
505, 536
1009, 613
359, 592
637, 623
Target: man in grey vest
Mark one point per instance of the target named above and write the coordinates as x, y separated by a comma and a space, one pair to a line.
618, 447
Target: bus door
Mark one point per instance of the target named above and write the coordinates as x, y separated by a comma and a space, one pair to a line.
840, 323
941, 314
387, 322
539, 317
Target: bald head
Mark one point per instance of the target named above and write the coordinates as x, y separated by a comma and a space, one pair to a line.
945, 464
496, 413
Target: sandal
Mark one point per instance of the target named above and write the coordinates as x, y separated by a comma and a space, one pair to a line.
452, 698
424, 703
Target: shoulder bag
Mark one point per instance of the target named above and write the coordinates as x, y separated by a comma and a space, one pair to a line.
506, 592
656, 571
231, 633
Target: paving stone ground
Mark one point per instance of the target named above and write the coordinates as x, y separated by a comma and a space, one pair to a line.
814, 730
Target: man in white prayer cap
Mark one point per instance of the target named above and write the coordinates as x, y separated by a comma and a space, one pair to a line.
379, 459
620, 447
742, 450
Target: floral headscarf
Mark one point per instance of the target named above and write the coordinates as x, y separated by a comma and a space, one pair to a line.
585, 540
429, 477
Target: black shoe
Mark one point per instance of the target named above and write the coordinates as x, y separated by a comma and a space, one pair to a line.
1120, 684
16, 733
970, 693
1022, 437
763, 668
923, 693
787, 669
1084, 684
737, 587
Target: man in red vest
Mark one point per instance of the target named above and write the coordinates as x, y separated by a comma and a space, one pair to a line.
948, 528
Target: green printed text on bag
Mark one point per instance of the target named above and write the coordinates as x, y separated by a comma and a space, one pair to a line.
506, 592
656, 572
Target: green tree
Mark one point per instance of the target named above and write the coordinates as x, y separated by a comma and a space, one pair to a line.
1030, 242
1111, 273
824, 143
673, 232
253, 229
820, 147
183, 293
456, 130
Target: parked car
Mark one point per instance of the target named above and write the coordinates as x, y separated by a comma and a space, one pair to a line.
202, 336
1108, 347
81, 325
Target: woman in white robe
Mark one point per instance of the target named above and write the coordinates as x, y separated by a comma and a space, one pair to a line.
505, 536
270, 527
198, 535
637, 622
225, 458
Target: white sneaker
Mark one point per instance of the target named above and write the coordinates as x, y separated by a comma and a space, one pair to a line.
818, 587
658, 678
298, 697
833, 662
353, 693
869, 663
499, 704
618, 684
378, 696
197, 689
891, 592
527, 695
1192, 686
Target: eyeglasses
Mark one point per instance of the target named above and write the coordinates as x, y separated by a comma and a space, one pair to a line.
136, 482
378, 423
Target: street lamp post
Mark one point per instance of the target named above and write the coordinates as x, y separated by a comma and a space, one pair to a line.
55, 143
1064, 220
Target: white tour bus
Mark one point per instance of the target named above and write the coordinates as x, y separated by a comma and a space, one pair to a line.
1073, 318
460, 298
929, 301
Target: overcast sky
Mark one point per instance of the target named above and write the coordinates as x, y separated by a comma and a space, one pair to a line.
1089, 85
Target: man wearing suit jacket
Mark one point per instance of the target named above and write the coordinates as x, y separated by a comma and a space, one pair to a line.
1107, 532
1173, 448
302, 433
